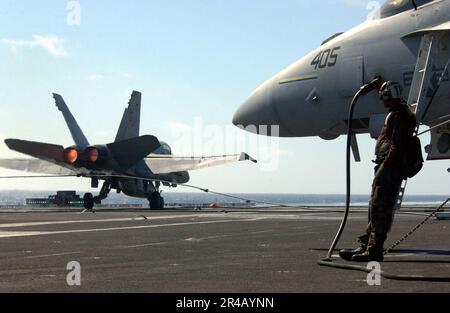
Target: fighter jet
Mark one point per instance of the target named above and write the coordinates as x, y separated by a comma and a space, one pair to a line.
132, 164
407, 41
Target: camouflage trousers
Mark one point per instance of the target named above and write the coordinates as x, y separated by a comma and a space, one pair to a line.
385, 188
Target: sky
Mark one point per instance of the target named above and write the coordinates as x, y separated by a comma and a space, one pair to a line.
195, 62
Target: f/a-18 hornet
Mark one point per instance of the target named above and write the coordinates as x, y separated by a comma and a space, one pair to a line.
407, 41
133, 164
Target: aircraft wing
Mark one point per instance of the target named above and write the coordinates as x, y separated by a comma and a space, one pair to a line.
35, 166
48, 154
165, 164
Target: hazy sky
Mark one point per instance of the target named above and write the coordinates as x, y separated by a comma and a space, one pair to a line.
195, 62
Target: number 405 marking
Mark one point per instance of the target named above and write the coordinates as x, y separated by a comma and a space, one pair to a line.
326, 58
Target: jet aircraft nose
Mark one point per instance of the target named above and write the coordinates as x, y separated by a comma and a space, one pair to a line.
257, 111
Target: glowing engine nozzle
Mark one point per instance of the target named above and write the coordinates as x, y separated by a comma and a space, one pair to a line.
92, 154
70, 155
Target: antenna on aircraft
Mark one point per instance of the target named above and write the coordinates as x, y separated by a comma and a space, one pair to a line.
414, 4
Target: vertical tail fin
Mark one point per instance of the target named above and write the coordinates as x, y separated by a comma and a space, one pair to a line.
129, 126
75, 130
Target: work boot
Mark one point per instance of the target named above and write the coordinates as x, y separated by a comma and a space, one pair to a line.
373, 253
347, 254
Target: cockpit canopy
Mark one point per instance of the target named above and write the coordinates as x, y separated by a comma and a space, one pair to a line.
393, 7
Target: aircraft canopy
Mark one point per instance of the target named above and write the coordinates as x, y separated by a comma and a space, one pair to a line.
393, 7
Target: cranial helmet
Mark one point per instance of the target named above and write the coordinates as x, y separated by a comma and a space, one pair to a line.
391, 90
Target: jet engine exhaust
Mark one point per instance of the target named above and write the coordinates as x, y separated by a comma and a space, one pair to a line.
91, 154
70, 155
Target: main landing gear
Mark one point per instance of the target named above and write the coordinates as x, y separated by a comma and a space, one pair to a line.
156, 201
89, 200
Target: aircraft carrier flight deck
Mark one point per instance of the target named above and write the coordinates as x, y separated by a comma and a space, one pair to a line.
211, 250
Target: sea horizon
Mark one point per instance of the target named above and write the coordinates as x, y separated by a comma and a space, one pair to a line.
18, 197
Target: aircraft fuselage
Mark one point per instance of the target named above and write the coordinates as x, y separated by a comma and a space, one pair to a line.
312, 96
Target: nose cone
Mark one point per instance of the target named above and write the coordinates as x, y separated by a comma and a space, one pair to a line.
257, 110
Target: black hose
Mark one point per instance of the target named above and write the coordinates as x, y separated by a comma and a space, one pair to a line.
384, 274
348, 176
328, 262
376, 82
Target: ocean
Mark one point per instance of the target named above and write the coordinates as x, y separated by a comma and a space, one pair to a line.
18, 197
